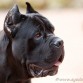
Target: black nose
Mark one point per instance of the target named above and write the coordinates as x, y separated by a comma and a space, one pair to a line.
57, 42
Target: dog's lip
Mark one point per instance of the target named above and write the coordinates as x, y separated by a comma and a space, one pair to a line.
59, 61
37, 71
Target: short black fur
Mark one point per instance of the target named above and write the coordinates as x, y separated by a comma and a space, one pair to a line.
28, 47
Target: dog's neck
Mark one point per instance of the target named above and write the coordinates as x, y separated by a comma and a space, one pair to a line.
3, 45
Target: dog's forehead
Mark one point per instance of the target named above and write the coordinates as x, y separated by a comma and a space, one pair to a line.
34, 23
40, 20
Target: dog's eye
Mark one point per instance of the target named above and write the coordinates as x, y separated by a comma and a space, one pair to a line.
38, 34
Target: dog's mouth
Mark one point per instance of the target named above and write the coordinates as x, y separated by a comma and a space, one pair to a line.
39, 71
36, 71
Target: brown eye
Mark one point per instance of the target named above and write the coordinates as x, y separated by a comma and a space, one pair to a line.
38, 34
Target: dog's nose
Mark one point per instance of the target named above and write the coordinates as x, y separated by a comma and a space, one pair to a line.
57, 42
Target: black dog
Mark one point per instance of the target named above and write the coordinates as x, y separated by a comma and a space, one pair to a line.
28, 47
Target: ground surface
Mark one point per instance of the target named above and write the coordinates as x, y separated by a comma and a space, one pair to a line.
69, 26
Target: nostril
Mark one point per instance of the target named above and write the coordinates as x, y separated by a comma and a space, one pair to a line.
61, 43
58, 43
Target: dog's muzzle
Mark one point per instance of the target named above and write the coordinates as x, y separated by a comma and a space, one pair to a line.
55, 59
57, 48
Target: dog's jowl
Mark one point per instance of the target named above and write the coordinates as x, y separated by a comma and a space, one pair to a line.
28, 47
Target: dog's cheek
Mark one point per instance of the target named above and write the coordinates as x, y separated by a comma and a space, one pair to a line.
17, 50
31, 45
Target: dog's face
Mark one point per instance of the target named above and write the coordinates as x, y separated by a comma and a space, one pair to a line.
34, 44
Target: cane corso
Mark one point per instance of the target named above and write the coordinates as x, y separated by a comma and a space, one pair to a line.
28, 47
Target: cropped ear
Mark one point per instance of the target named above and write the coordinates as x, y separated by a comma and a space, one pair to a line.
12, 18
30, 8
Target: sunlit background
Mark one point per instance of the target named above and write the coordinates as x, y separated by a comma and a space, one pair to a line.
67, 17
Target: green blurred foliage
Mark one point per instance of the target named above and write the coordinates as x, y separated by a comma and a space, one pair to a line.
41, 4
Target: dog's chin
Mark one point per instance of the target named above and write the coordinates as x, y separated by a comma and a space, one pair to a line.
36, 71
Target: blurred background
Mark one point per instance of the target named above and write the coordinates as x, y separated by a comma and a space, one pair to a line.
67, 17
42, 4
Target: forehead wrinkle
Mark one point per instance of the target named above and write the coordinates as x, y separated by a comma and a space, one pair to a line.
38, 23
34, 22
45, 23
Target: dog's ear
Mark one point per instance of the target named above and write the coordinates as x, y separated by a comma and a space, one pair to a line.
30, 8
12, 18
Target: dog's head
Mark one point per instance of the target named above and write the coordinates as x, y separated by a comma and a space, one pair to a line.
33, 43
